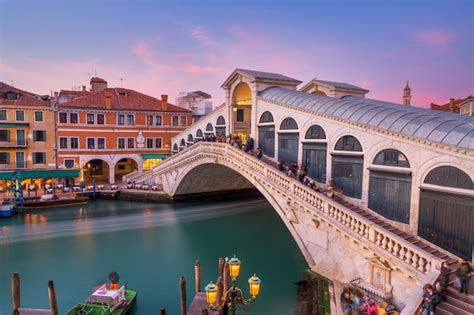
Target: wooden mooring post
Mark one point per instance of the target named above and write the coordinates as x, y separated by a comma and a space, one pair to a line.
197, 276
182, 285
226, 277
221, 267
16, 293
162, 311
53, 305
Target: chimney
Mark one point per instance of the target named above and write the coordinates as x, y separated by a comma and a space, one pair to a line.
108, 99
98, 84
164, 102
56, 94
83, 88
451, 105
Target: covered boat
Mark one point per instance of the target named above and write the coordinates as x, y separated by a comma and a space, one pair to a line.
50, 200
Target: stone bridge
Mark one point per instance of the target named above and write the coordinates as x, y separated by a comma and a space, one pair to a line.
337, 242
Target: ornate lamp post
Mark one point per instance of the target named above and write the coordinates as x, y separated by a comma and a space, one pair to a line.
234, 295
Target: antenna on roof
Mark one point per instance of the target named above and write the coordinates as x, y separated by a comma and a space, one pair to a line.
121, 82
89, 75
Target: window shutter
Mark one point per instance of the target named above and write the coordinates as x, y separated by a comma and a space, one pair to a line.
44, 135
34, 135
8, 135
34, 157
8, 158
44, 157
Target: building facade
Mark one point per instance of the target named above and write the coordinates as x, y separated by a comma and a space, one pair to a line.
27, 138
111, 132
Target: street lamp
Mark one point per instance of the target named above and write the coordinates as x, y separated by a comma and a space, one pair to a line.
234, 295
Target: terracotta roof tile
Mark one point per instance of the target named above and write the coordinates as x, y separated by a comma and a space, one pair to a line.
26, 98
121, 99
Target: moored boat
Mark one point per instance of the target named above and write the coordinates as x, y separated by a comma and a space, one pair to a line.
49, 200
7, 208
111, 299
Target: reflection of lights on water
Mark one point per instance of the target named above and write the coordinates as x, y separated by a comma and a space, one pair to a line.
35, 218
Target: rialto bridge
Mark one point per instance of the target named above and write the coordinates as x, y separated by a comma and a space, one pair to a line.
404, 177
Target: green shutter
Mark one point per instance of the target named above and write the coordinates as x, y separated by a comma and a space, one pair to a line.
33, 156
8, 135
34, 135
44, 157
8, 158
44, 135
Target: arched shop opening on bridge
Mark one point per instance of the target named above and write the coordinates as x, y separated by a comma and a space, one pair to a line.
96, 169
266, 134
446, 215
288, 139
220, 126
315, 153
123, 167
347, 166
242, 111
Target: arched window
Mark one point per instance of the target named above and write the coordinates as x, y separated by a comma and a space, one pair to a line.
182, 143
390, 188
348, 143
220, 121
446, 216
209, 127
391, 157
190, 138
288, 124
175, 147
199, 133
266, 117
315, 132
449, 176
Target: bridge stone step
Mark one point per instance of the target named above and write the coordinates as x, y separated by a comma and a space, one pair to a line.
453, 308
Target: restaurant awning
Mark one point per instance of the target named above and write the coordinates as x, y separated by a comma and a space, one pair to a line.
147, 156
46, 174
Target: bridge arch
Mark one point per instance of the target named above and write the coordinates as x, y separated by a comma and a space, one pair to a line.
241, 115
190, 176
288, 141
266, 133
315, 152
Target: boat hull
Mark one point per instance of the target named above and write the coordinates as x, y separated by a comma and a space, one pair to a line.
96, 309
55, 203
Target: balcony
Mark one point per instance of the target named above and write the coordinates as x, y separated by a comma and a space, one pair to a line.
13, 144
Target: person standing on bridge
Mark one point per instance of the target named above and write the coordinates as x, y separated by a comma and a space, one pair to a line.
464, 274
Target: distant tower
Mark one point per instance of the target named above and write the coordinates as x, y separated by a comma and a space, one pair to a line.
407, 95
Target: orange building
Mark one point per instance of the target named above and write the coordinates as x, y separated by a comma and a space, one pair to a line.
110, 132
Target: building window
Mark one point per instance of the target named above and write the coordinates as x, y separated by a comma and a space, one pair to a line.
4, 158
62, 142
175, 120
121, 120
4, 135
3, 114
11, 96
74, 143
130, 143
69, 163
63, 118
240, 115
73, 118
100, 119
182, 121
158, 143
101, 143
91, 143
39, 135
38, 116
20, 115
90, 119
158, 120
130, 120
39, 157
149, 143
149, 120
20, 137
20, 159
121, 143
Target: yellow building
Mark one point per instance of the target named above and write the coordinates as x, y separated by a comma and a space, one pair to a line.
27, 138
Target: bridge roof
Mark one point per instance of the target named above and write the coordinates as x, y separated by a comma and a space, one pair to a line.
443, 127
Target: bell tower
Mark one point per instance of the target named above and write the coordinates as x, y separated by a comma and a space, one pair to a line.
407, 95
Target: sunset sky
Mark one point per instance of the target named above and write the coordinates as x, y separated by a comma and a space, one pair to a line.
165, 47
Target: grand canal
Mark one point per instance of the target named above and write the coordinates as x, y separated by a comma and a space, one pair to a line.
151, 245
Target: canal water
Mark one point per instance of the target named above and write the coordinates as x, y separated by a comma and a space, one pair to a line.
151, 245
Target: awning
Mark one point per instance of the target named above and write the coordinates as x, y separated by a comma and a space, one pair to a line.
32, 174
147, 156
13, 125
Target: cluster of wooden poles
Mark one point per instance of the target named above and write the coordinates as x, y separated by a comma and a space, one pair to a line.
199, 304
18, 310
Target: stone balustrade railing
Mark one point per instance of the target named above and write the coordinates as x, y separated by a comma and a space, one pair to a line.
382, 239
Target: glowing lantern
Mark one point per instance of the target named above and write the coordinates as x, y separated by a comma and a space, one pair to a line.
254, 285
211, 293
234, 267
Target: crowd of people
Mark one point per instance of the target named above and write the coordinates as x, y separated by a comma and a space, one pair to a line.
433, 295
355, 301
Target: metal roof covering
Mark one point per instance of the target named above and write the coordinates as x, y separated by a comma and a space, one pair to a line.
340, 85
267, 75
443, 127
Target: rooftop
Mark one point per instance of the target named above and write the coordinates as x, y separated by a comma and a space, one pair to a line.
261, 75
340, 85
121, 99
438, 126
25, 98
